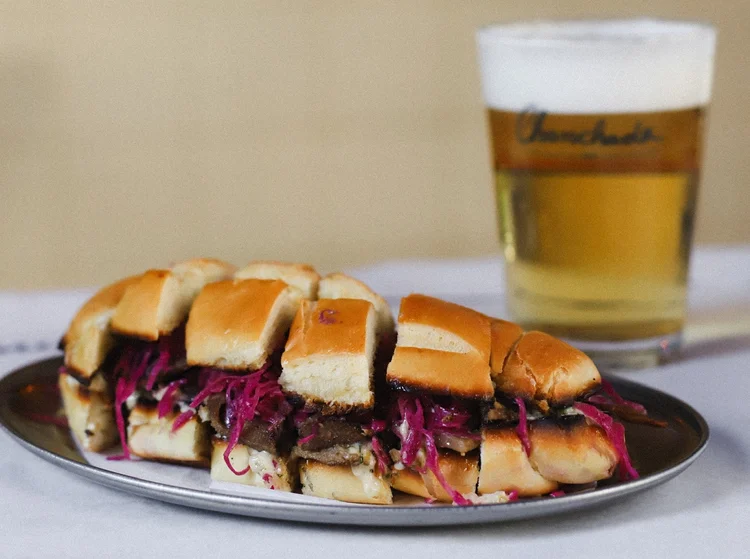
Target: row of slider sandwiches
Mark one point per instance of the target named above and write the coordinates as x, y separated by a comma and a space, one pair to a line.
275, 377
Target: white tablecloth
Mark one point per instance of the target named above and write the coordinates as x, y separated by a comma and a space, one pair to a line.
705, 512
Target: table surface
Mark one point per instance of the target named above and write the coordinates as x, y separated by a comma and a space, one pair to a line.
705, 512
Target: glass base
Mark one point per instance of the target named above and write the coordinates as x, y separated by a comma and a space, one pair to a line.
633, 354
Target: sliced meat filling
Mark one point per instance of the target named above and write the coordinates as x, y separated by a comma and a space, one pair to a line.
328, 431
356, 453
256, 434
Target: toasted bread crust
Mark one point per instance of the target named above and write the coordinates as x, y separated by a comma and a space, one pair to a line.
341, 286
281, 470
464, 375
461, 473
238, 324
302, 277
330, 353
151, 438
506, 467
88, 338
580, 453
422, 317
505, 335
136, 315
543, 368
90, 414
350, 484
328, 327
577, 453
160, 301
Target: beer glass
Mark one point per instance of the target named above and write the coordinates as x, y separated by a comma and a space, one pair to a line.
597, 131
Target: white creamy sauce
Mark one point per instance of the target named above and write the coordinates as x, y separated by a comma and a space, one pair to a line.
203, 413
363, 451
366, 475
159, 394
183, 407
73, 383
403, 429
132, 399
262, 463
570, 411
489, 499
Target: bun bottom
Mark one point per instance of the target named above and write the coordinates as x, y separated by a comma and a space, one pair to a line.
151, 438
576, 454
351, 484
266, 470
90, 413
461, 473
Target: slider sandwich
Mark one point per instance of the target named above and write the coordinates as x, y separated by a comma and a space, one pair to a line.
235, 334
85, 379
485, 412
440, 380
329, 369
543, 431
151, 379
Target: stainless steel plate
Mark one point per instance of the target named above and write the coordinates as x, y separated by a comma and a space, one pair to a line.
28, 398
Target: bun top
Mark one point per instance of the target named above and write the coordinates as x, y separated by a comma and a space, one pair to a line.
540, 367
504, 336
302, 277
160, 300
88, 339
465, 375
430, 323
341, 286
238, 324
329, 356
330, 327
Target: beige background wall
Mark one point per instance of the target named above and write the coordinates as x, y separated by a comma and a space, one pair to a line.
334, 132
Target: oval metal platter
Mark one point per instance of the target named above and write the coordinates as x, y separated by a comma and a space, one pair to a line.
29, 400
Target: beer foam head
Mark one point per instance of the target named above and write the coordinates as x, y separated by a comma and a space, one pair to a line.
609, 66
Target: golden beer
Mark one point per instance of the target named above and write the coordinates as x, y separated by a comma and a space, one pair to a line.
596, 219
596, 133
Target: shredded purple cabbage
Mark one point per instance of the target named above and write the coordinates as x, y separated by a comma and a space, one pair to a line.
522, 430
422, 421
138, 360
257, 394
615, 433
167, 400
611, 396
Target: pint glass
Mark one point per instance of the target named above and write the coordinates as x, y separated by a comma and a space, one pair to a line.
596, 133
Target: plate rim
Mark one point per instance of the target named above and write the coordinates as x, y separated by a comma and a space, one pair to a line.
346, 513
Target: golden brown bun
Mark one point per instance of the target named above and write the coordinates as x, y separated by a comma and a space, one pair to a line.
330, 352
505, 466
238, 324
543, 368
575, 454
430, 323
578, 454
303, 277
504, 336
279, 471
461, 473
152, 438
90, 413
160, 301
341, 286
88, 339
464, 375
350, 484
